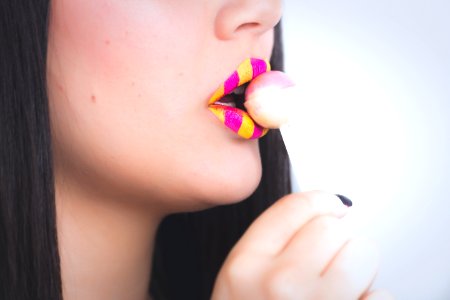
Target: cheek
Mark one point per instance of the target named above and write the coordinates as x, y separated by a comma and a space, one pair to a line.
111, 63
117, 114
129, 57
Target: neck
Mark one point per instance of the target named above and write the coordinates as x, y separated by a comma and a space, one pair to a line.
105, 245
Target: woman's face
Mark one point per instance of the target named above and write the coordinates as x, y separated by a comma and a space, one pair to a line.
129, 83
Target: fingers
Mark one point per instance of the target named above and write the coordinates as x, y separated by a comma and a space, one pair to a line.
270, 233
299, 249
351, 272
315, 244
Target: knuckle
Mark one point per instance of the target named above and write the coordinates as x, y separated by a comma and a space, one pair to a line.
237, 271
280, 283
342, 273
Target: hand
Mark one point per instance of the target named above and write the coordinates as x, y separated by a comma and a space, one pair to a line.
300, 249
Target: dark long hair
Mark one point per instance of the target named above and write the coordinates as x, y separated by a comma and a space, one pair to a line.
29, 260
190, 247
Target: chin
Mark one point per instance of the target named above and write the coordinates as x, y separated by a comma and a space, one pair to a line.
230, 174
238, 190
231, 189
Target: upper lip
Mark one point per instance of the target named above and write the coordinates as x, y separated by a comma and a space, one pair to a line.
245, 72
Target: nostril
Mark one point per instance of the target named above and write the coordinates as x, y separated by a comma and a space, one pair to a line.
238, 18
247, 26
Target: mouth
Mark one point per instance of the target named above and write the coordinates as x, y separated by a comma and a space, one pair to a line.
227, 102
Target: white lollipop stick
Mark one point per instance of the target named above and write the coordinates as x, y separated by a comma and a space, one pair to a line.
275, 107
273, 101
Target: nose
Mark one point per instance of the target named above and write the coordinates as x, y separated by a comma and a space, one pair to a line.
246, 17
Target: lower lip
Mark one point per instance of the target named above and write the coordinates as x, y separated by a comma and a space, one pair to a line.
238, 120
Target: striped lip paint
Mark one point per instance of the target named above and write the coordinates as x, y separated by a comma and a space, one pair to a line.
234, 118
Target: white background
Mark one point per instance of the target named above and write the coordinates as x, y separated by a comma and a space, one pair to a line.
376, 80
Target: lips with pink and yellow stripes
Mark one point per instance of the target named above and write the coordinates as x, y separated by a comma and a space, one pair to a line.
234, 118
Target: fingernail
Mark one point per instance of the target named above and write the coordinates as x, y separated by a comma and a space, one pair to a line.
345, 200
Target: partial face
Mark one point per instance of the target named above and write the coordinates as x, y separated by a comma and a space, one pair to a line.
129, 83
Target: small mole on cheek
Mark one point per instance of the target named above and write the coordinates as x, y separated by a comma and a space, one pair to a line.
132, 83
107, 42
60, 87
93, 99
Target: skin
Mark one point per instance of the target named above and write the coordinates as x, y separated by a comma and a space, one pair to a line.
133, 138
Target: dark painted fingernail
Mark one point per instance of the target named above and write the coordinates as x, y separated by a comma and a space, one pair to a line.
345, 200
